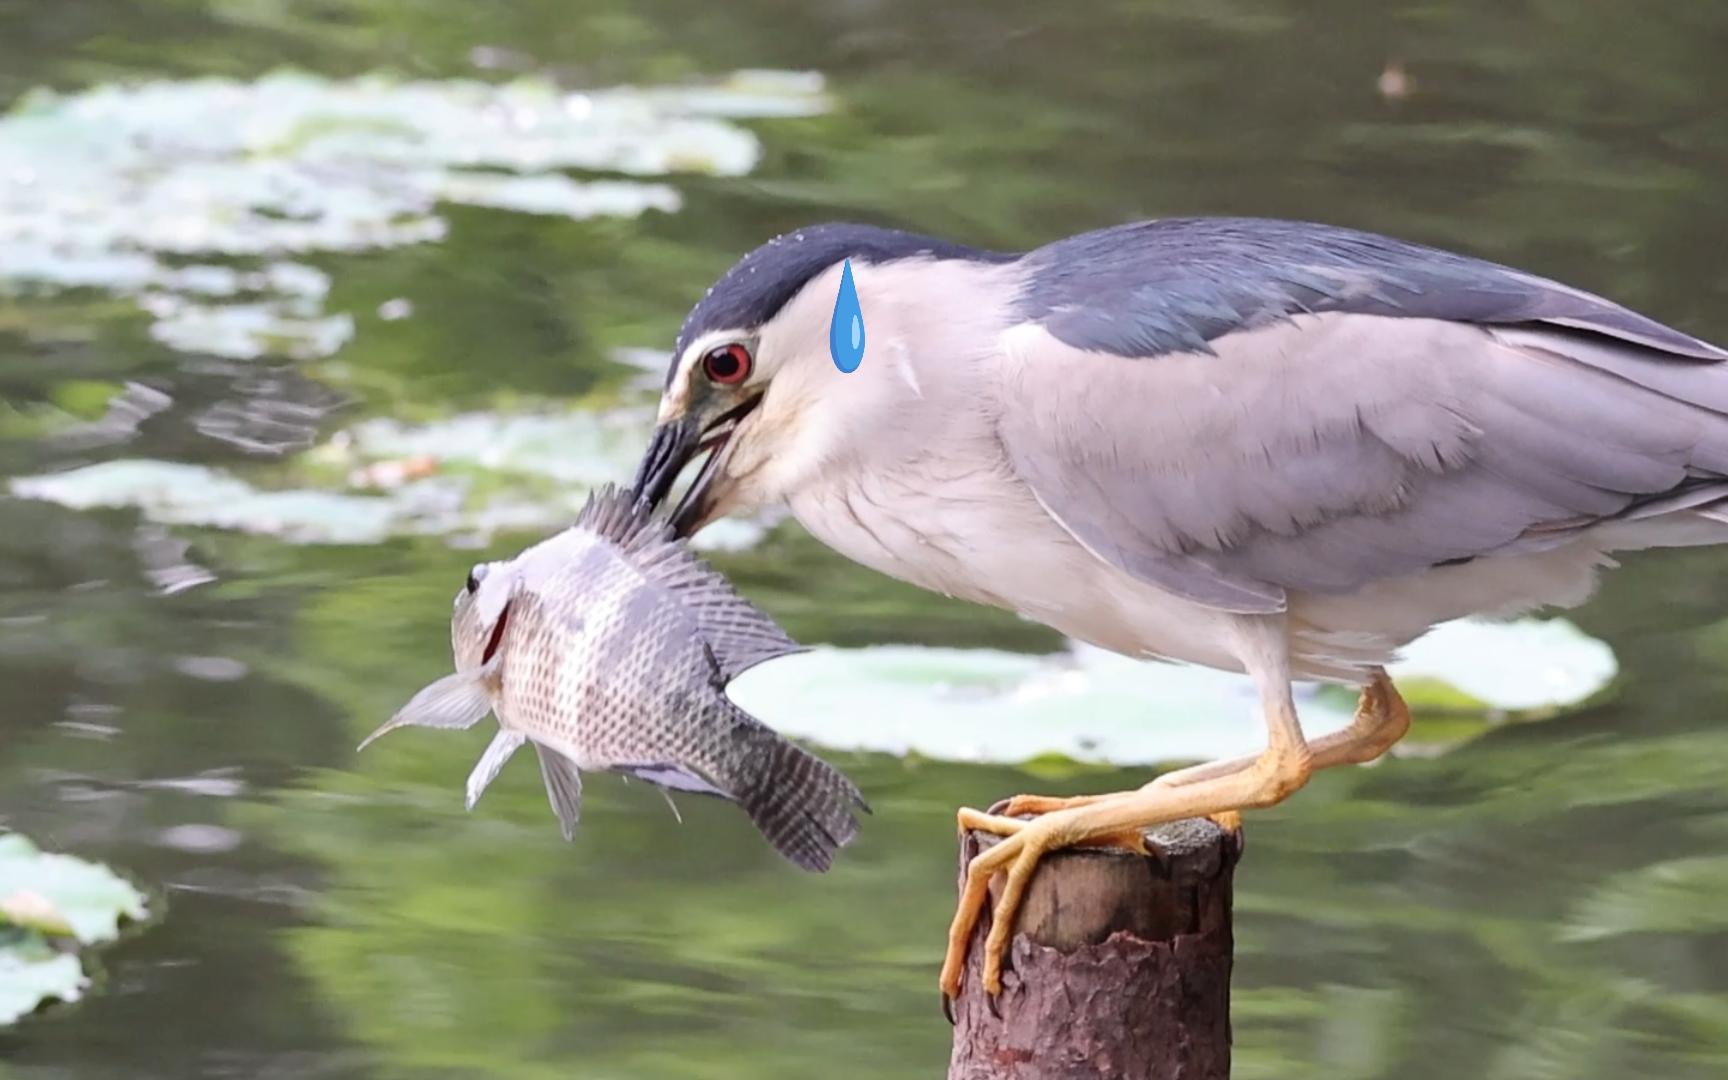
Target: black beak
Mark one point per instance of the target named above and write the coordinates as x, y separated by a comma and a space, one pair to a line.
671, 448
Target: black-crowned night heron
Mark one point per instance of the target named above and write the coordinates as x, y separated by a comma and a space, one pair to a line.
1270, 447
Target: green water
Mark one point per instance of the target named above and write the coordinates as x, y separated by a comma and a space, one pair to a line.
1545, 901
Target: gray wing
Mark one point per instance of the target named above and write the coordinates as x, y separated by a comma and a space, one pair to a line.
1322, 451
1177, 284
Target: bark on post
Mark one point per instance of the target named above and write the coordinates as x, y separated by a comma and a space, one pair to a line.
1120, 969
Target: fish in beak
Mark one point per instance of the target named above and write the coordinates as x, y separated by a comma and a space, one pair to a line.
608, 647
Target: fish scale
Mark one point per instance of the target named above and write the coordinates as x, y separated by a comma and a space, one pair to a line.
609, 647
588, 690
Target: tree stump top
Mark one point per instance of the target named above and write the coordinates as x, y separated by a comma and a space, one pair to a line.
1119, 969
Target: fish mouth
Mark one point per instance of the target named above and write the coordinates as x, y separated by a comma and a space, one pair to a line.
496, 638
674, 446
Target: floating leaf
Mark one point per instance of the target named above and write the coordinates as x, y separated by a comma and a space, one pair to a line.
31, 910
31, 972
115, 186
1529, 664
1096, 706
89, 900
473, 474
43, 895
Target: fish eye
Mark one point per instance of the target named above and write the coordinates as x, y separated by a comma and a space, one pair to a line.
476, 576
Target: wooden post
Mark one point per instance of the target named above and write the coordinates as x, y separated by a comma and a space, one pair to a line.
1120, 969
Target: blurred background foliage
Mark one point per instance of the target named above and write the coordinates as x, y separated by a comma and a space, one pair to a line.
1541, 902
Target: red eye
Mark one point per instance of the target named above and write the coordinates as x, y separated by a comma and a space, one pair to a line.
729, 364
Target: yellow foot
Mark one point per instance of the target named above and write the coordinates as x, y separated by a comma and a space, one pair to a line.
1034, 805
1216, 790
1037, 805
1228, 820
1109, 820
1025, 843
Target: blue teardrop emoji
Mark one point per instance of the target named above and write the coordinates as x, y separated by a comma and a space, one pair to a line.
846, 331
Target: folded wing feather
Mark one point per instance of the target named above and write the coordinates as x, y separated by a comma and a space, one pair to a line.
1324, 452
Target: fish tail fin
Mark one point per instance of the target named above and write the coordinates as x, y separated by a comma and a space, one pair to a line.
800, 803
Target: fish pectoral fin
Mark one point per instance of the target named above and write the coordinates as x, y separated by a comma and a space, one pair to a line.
498, 751
563, 787
455, 701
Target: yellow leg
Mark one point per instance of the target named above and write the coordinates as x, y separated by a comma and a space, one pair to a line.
1381, 720
1218, 790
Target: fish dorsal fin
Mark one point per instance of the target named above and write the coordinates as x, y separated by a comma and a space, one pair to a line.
738, 633
616, 516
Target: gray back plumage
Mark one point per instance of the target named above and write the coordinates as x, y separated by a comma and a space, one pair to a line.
1177, 284
1439, 409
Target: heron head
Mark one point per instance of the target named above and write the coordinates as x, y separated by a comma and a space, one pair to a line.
753, 383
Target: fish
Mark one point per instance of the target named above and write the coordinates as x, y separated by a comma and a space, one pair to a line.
608, 647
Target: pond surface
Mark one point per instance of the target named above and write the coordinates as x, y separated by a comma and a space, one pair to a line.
183, 688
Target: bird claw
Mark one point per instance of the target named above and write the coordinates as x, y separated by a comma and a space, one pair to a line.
1023, 844
1020, 866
